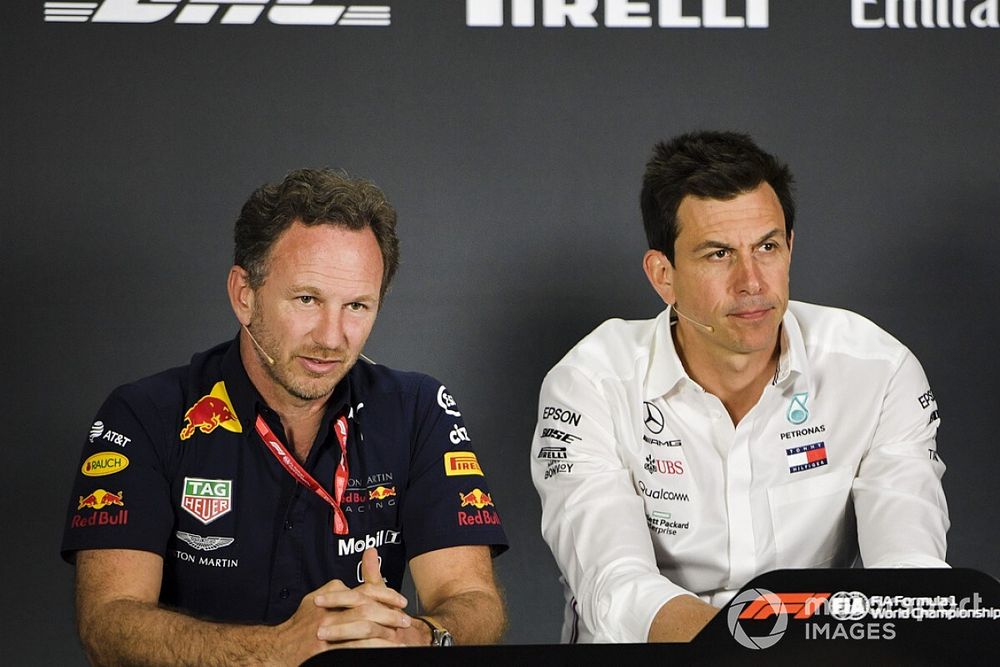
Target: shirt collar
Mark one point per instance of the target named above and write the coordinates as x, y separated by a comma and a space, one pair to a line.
665, 368
666, 371
793, 358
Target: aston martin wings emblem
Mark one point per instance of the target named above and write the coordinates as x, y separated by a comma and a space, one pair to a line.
204, 543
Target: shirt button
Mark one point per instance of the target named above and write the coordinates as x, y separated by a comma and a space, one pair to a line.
283, 594
716, 414
288, 525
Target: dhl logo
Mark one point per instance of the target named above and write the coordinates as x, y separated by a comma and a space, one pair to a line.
100, 499
211, 411
477, 498
381, 492
801, 605
461, 463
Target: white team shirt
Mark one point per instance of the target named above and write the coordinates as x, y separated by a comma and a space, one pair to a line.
648, 490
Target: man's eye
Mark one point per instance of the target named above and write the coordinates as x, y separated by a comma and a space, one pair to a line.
769, 246
306, 299
720, 254
357, 306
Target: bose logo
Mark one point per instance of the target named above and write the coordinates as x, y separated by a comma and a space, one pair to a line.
617, 14
238, 12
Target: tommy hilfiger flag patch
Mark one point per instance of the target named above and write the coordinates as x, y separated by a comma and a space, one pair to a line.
806, 457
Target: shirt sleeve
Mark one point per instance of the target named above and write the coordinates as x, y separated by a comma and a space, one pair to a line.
448, 501
592, 517
900, 504
121, 496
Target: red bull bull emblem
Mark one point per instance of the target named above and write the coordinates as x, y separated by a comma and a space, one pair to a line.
100, 499
477, 498
211, 411
381, 492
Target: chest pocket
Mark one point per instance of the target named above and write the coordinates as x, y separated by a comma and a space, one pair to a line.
812, 519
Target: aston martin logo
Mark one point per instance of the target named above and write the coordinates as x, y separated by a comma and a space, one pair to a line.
204, 543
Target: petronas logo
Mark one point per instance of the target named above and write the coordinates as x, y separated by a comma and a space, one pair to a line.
797, 411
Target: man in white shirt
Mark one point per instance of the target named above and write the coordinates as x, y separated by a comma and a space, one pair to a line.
736, 433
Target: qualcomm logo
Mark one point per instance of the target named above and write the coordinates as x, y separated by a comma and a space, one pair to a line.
616, 14
238, 12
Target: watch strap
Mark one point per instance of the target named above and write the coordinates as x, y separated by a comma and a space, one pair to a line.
439, 635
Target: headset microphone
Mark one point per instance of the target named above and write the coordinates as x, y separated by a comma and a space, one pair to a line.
706, 327
270, 360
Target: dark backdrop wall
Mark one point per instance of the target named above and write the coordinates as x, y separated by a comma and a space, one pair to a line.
514, 157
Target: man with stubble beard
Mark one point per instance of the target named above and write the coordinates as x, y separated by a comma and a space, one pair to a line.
260, 505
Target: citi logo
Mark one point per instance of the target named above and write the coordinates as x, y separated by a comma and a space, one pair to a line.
233, 12
615, 14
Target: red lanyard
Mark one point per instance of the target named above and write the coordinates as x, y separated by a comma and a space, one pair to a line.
289, 463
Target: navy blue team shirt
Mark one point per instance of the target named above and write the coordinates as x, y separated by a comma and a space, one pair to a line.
173, 465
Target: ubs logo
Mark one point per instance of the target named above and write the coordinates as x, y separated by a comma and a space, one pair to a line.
653, 419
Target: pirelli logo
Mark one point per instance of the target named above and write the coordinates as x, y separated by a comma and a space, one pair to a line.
461, 463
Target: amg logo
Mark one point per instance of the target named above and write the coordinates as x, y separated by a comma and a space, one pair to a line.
933, 14
237, 12
615, 14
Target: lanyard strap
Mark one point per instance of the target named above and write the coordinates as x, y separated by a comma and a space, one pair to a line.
293, 467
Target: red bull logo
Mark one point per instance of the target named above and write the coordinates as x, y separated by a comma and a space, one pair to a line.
210, 412
104, 463
100, 499
100, 518
479, 518
476, 498
381, 492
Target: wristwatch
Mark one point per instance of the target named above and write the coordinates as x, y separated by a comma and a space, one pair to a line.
439, 636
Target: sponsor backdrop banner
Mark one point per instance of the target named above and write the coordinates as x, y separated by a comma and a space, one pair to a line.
511, 135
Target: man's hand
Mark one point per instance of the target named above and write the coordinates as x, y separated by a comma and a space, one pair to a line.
335, 616
117, 593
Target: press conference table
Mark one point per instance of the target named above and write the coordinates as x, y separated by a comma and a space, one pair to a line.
800, 617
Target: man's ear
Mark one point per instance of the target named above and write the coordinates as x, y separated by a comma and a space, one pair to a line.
660, 273
241, 295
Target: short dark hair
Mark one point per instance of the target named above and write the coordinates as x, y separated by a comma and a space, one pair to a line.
710, 165
313, 197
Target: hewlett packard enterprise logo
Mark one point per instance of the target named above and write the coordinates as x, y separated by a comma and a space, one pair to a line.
235, 12
616, 14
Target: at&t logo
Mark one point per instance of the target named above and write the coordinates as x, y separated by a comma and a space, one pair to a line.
239, 12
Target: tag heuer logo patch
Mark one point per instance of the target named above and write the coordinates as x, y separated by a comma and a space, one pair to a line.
207, 499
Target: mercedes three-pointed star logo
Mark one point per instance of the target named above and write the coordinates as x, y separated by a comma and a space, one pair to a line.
653, 419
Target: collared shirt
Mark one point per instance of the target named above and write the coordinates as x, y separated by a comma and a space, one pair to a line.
649, 491
174, 466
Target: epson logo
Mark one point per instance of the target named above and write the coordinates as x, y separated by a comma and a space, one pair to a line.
933, 14
615, 14
236, 12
